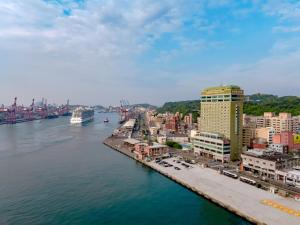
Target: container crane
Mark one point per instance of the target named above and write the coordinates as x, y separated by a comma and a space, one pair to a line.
11, 117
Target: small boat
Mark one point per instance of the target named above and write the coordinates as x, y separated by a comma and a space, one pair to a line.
106, 120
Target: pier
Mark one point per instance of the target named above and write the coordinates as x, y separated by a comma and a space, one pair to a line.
18, 113
255, 205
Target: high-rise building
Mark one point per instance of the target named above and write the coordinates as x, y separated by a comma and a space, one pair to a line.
222, 112
282, 123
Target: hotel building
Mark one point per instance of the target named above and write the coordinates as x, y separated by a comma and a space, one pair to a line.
222, 113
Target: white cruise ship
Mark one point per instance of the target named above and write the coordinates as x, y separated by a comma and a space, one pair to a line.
82, 114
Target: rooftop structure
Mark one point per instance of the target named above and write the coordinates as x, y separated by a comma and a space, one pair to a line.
267, 154
228, 89
131, 141
266, 163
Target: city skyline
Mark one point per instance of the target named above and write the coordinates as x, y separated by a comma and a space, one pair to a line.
98, 52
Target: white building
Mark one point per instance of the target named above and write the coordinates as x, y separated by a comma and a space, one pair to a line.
278, 148
293, 178
290, 177
212, 145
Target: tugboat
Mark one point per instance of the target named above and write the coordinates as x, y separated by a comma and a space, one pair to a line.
106, 120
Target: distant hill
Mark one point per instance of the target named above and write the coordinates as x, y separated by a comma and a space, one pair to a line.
256, 105
260, 103
99, 107
145, 105
183, 107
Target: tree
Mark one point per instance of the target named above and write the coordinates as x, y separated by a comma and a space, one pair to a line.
173, 144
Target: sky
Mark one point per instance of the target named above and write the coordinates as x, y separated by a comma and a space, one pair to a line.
146, 51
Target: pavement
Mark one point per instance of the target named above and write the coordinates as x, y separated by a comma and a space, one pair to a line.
243, 198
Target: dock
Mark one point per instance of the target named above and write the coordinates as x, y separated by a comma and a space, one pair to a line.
255, 205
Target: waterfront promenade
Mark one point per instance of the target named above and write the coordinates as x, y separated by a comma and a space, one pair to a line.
256, 205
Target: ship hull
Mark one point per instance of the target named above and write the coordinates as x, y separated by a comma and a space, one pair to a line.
81, 120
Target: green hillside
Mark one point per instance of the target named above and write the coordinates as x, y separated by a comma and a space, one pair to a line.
256, 105
275, 104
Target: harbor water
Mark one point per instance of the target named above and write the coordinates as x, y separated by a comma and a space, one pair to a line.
52, 172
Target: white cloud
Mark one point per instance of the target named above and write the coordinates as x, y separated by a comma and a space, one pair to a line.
94, 48
284, 9
93, 51
99, 25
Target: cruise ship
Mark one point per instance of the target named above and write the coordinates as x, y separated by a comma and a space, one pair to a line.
82, 114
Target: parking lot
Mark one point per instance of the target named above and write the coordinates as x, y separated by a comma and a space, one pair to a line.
175, 163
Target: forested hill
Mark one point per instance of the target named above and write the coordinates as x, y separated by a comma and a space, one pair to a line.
255, 104
259, 104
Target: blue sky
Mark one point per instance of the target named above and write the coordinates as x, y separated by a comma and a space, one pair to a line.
101, 51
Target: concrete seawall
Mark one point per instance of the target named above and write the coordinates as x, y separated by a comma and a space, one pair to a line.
245, 212
200, 193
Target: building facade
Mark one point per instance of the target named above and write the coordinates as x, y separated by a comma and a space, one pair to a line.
266, 164
172, 123
281, 123
212, 145
188, 119
279, 148
289, 139
222, 112
265, 133
248, 136
143, 150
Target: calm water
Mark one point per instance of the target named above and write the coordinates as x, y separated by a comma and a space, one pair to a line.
54, 173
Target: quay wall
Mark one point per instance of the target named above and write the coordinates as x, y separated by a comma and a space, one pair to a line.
188, 186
